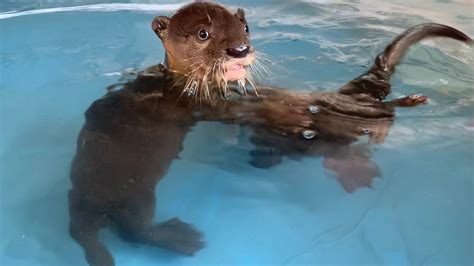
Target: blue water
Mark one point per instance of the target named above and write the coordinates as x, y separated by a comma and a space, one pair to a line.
55, 62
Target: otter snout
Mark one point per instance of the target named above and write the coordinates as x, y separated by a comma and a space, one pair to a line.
239, 51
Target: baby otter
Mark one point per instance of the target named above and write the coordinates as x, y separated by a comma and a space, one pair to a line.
207, 44
132, 135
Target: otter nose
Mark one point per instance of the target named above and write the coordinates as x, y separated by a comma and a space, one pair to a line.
239, 51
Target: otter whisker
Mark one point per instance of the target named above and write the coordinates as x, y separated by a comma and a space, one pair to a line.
205, 85
257, 71
193, 66
249, 78
270, 62
186, 76
191, 58
222, 83
260, 72
191, 86
178, 81
197, 84
264, 68
265, 57
241, 83
214, 76
217, 64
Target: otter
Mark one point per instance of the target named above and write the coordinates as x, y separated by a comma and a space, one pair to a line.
132, 135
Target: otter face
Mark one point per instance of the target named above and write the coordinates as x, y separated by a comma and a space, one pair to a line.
207, 43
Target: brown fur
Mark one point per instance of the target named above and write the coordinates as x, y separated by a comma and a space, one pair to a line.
131, 136
202, 61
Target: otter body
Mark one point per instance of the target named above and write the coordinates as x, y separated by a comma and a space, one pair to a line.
131, 136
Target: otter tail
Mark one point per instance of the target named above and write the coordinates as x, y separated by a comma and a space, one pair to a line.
375, 82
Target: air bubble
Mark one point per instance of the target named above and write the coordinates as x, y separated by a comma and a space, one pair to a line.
313, 109
309, 134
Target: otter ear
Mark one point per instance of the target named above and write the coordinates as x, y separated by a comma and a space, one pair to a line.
240, 14
160, 26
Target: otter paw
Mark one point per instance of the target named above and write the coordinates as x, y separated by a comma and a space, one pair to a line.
178, 236
410, 101
416, 99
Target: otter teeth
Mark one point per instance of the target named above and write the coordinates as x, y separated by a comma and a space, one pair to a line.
236, 67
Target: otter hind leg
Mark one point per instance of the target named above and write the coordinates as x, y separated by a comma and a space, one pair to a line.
173, 234
134, 223
85, 221
178, 236
85, 230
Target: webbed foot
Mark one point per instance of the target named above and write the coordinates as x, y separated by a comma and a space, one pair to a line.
410, 101
177, 236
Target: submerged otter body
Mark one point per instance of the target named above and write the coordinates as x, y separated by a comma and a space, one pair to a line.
131, 136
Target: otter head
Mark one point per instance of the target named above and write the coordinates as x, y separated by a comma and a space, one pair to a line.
208, 44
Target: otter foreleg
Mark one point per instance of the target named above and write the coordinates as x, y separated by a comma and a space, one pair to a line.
409, 101
84, 227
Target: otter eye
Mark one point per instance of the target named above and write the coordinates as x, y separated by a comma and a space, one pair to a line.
246, 28
203, 35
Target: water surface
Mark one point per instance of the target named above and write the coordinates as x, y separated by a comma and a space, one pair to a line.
55, 61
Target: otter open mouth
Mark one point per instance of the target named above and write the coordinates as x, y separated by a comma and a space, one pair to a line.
236, 69
235, 72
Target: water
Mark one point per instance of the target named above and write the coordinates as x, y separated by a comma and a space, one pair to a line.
55, 62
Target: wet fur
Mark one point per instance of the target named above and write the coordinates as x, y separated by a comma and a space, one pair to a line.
205, 69
131, 137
